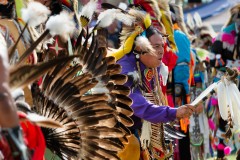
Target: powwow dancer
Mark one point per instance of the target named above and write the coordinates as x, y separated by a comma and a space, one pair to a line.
144, 86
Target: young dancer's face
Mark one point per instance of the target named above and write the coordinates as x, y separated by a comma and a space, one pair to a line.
155, 60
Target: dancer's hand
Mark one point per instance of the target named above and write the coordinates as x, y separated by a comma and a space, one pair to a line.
185, 111
199, 108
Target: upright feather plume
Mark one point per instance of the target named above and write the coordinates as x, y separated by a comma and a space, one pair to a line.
61, 24
197, 19
87, 12
35, 14
190, 22
228, 98
107, 17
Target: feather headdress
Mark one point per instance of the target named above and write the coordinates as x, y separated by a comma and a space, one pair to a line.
87, 12
160, 16
129, 33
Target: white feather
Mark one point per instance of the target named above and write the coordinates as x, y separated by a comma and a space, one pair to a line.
198, 19
3, 52
135, 76
190, 21
144, 45
222, 100
204, 94
17, 93
106, 18
122, 6
146, 134
124, 18
61, 24
164, 73
228, 95
89, 8
235, 98
100, 88
35, 14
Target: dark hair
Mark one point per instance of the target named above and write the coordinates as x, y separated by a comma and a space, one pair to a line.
7, 11
152, 30
56, 7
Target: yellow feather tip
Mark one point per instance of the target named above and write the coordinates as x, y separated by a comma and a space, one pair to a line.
147, 21
126, 48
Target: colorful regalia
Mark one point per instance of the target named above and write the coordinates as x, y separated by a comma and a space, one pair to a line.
149, 103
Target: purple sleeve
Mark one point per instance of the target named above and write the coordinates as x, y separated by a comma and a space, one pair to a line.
148, 111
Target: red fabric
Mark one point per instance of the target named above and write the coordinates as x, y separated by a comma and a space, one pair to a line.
169, 58
191, 77
40, 81
170, 100
5, 149
33, 138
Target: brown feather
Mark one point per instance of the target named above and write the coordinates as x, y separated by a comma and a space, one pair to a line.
21, 76
100, 151
106, 144
110, 60
88, 122
43, 121
87, 87
123, 99
101, 133
89, 113
114, 69
119, 79
125, 120
124, 109
90, 106
93, 98
120, 89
